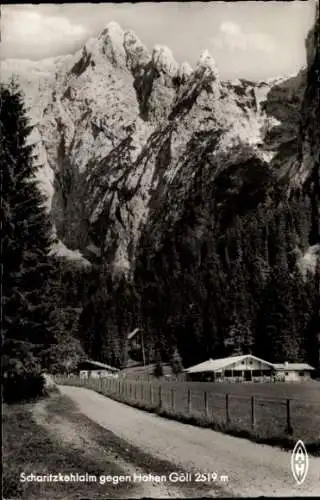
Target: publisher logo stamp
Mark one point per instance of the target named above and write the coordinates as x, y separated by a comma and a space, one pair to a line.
299, 462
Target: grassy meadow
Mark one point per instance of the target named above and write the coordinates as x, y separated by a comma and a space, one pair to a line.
205, 404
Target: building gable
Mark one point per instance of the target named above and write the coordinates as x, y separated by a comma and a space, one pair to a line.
250, 363
243, 362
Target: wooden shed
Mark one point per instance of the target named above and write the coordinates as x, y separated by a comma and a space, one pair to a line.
95, 369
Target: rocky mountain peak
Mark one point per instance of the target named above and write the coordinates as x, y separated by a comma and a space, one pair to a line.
207, 62
137, 54
112, 32
163, 60
126, 123
184, 71
112, 44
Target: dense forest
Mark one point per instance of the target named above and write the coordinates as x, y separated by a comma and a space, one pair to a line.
220, 284
226, 277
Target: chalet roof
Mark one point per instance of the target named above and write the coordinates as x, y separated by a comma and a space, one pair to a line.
218, 364
293, 366
133, 333
98, 365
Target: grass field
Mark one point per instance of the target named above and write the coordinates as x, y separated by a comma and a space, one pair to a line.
205, 404
280, 390
270, 405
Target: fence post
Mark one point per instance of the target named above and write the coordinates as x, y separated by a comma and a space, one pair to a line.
135, 391
172, 398
206, 409
160, 397
142, 390
227, 409
189, 401
253, 413
289, 427
151, 394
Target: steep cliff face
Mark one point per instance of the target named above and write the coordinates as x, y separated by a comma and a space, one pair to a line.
309, 144
123, 135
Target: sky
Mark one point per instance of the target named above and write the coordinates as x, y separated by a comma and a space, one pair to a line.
254, 40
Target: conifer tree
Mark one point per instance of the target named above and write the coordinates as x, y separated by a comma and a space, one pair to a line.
29, 318
278, 336
158, 368
176, 362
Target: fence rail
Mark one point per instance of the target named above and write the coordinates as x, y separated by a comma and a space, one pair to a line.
247, 412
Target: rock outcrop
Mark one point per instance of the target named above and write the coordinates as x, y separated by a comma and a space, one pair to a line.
122, 134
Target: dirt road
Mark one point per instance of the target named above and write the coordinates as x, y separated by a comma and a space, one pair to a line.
251, 469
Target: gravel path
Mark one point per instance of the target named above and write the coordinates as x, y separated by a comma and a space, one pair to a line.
252, 469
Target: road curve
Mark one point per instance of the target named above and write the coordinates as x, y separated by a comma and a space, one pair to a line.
252, 469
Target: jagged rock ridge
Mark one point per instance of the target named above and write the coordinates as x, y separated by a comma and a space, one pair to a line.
122, 133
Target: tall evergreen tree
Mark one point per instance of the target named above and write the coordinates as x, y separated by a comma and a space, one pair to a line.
29, 319
278, 339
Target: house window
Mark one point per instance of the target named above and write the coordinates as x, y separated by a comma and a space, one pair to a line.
228, 373
301, 374
256, 373
218, 375
287, 373
237, 373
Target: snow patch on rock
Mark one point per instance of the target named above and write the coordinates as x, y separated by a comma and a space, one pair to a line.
307, 262
59, 249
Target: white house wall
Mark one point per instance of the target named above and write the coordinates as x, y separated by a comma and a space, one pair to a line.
292, 376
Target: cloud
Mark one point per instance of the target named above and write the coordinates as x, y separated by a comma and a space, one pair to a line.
232, 37
35, 32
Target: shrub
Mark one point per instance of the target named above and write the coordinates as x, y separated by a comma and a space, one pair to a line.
12, 488
22, 387
158, 370
176, 362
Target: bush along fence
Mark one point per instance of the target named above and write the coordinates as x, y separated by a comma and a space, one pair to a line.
266, 420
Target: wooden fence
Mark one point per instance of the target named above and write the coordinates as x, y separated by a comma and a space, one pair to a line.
267, 415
